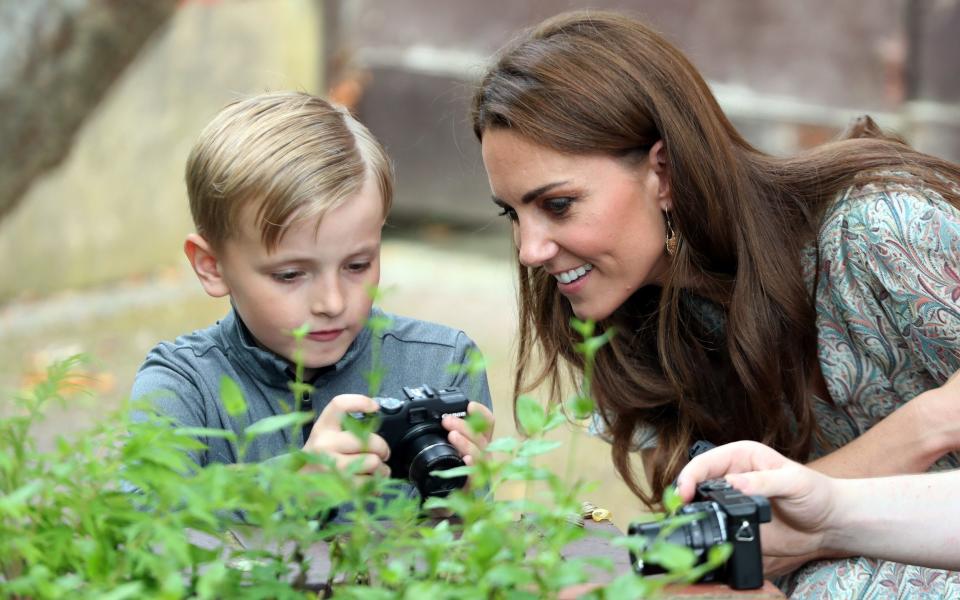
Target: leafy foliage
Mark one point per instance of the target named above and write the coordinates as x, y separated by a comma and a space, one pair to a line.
123, 511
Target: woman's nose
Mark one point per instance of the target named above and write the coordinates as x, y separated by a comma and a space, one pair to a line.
535, 245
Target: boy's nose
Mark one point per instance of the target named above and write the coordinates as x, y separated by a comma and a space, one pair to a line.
327, 299
534, 245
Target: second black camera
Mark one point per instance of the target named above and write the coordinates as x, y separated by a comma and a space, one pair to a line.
726, 516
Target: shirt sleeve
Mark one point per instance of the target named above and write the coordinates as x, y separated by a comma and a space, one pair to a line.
900, 252
171, 392
475, 385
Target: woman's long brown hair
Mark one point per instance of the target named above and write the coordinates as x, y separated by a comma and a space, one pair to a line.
599, 82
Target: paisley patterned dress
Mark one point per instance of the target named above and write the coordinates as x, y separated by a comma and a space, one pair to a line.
886, 271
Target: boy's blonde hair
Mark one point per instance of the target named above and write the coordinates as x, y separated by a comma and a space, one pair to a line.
291, 155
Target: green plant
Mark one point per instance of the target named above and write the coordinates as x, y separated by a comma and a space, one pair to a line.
122, 511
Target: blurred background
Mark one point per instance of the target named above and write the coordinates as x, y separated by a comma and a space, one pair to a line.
101, 101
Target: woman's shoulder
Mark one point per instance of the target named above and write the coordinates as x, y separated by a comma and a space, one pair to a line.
886, 209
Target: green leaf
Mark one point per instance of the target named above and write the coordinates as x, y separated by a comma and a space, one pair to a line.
133, 589
208, 585
199, 432
504, 444
671, 499
508, 576
454, 472
536, 447
531, 415
633, 543
301, 332
277, 423
299, 388
581, 406
378, 323
717, 555
555, 418
13, 502
584, 328
360, 428
672, 557
630, 586
477, 423
232, 397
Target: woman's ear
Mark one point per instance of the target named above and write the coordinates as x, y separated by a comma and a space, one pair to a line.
206, 265
658, 164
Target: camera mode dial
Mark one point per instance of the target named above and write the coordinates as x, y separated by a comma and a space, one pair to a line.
390, 406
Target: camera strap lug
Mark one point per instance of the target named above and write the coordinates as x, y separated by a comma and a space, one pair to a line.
745, 533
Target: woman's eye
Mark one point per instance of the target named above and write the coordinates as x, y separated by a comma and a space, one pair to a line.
506, 211
557, 206
286, 276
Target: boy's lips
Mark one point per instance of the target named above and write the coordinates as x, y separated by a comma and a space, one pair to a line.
325, 335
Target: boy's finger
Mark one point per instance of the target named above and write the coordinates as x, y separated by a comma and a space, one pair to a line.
342, 404
368, 462
378, 446
344, 442
463, 427
463, 444
474, 408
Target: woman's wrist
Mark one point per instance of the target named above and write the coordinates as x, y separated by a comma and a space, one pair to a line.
937, 414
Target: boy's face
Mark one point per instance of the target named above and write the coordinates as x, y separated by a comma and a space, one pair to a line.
318, 276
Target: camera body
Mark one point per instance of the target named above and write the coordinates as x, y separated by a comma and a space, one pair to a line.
728, 516
412, 428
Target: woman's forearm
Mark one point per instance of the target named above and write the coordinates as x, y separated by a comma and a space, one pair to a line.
908, 440
909, 519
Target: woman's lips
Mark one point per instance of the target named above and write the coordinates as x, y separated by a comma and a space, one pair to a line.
326, 335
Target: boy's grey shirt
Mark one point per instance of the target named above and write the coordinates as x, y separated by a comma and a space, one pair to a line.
182, 378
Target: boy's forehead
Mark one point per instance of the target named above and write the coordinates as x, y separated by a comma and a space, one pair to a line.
310, 219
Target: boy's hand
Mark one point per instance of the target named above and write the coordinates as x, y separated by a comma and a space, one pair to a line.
327, 436
469, 443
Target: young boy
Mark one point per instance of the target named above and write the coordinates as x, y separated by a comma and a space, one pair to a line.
288, 196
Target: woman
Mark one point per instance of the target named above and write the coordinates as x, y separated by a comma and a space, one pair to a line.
809, 303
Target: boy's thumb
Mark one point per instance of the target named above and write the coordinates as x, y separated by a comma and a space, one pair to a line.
342, 404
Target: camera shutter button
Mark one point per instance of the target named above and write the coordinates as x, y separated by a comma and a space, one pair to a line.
390, 406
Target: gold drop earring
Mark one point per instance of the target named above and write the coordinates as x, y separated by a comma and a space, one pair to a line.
673, 240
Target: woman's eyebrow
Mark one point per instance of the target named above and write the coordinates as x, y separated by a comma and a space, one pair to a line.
534, 193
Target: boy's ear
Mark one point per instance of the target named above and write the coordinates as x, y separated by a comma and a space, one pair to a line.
658, 163
206, 265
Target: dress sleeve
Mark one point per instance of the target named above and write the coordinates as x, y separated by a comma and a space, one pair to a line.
901, 253
644, 438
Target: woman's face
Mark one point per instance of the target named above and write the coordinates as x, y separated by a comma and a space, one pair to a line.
593, 222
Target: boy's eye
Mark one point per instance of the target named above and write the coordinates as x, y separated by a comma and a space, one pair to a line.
557, 206
287, 276
358, 267
506, 211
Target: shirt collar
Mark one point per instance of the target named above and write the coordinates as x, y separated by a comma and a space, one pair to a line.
278, 370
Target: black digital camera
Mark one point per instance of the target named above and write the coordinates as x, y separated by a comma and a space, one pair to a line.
418, 442
727, 516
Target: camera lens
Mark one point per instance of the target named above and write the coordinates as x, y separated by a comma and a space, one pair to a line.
698, 535
431, 452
